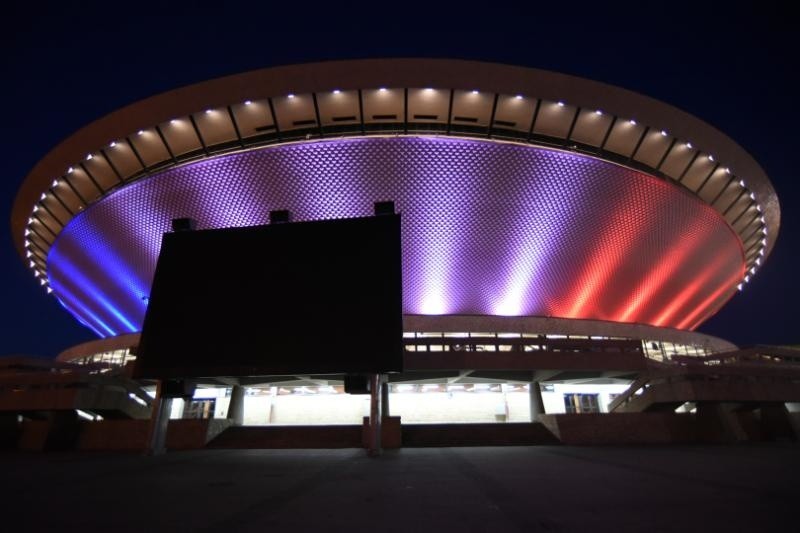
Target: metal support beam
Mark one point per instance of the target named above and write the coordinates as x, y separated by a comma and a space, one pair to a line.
374, 448
536, 401
236, 406
159, 420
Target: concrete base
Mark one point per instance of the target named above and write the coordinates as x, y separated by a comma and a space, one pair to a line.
281, 437
712, 424
390, 433
622, 428
511, 434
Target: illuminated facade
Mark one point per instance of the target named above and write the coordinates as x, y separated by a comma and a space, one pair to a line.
541, 203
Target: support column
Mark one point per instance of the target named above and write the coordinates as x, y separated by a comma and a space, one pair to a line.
159, 421
385, 399
374, 449
536, 401
236, 405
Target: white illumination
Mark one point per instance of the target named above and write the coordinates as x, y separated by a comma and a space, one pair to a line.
70, 170
560, 104
663, 133
764, 242
758, 207
35, 208
208, 111
598, 112
28, 254
42, 281
336, 91
474, 91
689, 145
518, 97
727, 170
30, 220
35, 273
136, 399
55, 183
49, 290
747, 279
84, 414
382, 90
140, 132
27, 232
291, 95
710, 157
752, 196
741, 183
43, 196
758, 261
753, 270
428, 89
27, 242
31, 264
632, 122
173, 121
761, 252
112, 144
740, 287
764, 230
89, 157
248, 102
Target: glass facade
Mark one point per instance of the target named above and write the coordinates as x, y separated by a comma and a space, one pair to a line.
508, 341
113, 358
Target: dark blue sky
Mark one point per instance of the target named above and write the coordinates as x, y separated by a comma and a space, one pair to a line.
65, 66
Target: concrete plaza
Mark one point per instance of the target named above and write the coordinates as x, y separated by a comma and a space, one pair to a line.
541, 488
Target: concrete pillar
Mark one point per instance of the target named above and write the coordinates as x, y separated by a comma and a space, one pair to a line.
385, 399
375, 394
536, 401
776, 423
159, 421
236, 405
719, 423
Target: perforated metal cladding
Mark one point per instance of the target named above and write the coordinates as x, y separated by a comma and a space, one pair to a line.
488, 228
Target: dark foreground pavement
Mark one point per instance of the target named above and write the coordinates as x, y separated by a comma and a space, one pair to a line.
544, 488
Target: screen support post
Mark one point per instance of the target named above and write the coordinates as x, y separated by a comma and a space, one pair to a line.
159, 419
375, 415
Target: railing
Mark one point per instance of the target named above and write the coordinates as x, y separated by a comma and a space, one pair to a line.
761, 363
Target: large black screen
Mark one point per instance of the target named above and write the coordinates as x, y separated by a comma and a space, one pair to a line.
300, 298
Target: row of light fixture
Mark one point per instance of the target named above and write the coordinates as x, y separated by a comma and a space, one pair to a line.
40, 273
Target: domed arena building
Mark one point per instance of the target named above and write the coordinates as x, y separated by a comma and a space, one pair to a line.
560, 236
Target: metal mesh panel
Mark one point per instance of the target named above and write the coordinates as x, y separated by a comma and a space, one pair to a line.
488, 228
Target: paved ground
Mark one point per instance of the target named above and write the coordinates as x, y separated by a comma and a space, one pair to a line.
543, 488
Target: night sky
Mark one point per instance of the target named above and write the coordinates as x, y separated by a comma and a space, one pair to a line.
64, 66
